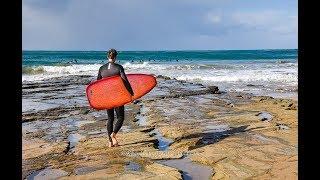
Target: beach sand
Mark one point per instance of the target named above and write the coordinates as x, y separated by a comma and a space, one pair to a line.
178, 130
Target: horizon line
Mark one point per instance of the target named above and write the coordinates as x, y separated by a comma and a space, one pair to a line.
175, 50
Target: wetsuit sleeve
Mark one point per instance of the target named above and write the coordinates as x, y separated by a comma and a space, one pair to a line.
125, 80
99, 74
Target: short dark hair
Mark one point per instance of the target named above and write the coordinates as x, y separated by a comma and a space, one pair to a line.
112, 53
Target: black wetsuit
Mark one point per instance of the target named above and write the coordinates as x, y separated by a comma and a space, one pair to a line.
107, 70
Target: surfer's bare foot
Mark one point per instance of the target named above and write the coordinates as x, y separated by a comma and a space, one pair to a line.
114, 140
110, 144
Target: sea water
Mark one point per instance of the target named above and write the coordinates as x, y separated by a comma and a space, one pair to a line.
261, 72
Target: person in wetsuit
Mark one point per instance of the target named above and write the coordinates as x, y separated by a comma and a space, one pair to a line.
107, 70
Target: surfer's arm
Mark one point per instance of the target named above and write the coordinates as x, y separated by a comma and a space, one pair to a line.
99, 74
125, 80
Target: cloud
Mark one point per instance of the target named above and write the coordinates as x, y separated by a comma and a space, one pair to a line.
42, 28
213, 18
254, 19
268, 20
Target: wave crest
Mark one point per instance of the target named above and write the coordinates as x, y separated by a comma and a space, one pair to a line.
33, 70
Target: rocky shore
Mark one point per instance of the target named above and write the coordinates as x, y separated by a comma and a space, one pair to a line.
180, 130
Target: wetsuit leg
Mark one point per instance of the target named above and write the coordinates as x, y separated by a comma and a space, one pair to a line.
120, 118
110, 122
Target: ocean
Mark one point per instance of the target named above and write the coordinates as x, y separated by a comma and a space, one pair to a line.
260, 72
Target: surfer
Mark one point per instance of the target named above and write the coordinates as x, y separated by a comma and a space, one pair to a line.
111, 69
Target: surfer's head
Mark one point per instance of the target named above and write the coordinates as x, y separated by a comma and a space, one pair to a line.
112, 55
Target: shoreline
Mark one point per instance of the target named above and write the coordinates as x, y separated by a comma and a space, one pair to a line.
177, 119
275, 94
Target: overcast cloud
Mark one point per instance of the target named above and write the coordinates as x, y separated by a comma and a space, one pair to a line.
159, 25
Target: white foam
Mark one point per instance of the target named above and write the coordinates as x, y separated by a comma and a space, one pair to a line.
72, 69
212, 73
57, 71
240, 76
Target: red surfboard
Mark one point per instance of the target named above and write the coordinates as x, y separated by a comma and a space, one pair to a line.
110, 92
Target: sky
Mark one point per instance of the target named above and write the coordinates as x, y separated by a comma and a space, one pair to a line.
159, 24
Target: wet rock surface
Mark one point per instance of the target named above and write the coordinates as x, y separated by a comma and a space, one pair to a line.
176, 131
